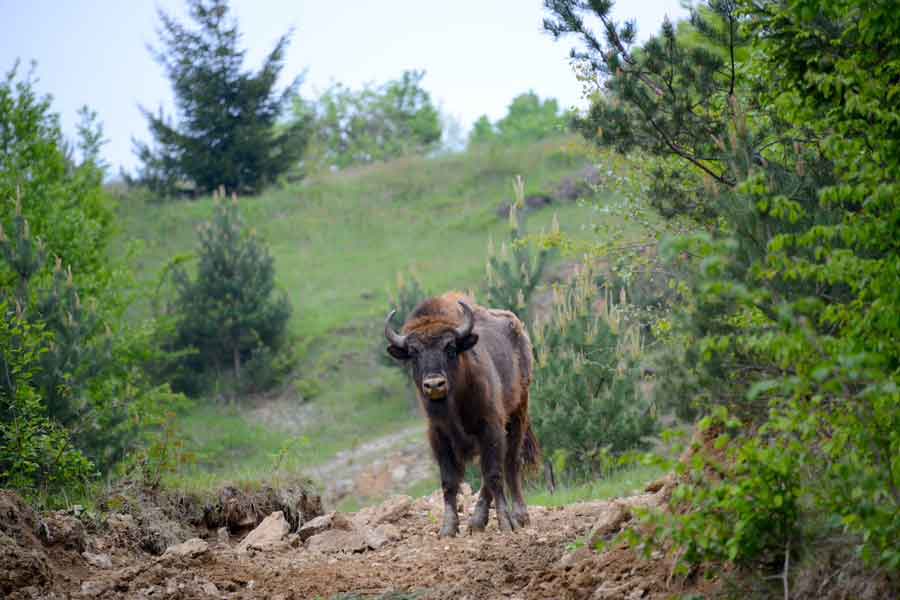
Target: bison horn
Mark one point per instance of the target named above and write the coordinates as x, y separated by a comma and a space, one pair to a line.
466, 328
392, 336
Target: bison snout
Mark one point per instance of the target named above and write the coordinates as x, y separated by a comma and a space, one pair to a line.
435, 387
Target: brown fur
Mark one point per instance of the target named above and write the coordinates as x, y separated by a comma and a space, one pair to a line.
486, 412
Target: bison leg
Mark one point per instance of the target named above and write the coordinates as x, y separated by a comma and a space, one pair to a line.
479, 518
493, 452
514, 432
452, 471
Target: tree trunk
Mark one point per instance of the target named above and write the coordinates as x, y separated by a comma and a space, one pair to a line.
237, 364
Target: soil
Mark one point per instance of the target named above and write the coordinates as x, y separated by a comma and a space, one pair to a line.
386, 549
377, 469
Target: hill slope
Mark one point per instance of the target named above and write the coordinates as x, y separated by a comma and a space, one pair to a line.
338, 243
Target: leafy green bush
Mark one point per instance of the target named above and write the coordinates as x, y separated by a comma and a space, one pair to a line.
528, 119
788, 321
55, 269
376, 123
586, 404
37, 456
230, 312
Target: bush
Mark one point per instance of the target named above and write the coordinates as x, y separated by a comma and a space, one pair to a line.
37, 456
788, 320
528, 119
376, 123
586, 404
230, 312
55, 270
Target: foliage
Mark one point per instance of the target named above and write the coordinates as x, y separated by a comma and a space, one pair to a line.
226, 131
513, 275
528, 119
89, 377
789, 317
64, 203
586, 405
375, 123
229, 312
429, 216
37, 456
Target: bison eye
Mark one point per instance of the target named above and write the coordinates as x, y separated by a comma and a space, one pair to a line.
450, 350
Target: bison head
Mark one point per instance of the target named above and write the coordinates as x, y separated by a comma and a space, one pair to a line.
434, 357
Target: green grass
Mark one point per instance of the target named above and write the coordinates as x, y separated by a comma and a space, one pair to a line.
338, 243
620, 483
626, 482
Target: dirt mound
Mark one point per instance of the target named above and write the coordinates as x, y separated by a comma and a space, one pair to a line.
23, 561
389, 548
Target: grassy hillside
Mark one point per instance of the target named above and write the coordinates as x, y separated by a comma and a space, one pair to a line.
338, 243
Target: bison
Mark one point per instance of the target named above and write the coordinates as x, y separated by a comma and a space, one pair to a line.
472, 367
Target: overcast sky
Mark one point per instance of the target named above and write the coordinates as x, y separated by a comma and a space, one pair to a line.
478, 54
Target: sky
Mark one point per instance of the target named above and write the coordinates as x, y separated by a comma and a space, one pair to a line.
477, 54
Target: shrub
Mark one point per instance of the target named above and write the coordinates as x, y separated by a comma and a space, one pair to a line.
528, 119
789, 319
376, 123
55, 270
230, 313
37, 456
586, 403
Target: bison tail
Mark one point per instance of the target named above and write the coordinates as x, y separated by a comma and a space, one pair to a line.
531, 450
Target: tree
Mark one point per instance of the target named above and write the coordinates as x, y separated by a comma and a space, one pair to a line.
790, 159
228, 312
482, 132
528, 119
82, 384
376, 123
226, 132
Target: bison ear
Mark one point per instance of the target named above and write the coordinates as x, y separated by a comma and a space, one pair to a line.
467, 342
398, 352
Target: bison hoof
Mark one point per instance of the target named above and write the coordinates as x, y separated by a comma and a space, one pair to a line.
449, 530
505, 522
478, 521
520, 518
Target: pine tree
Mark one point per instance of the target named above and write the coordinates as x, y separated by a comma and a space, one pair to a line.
226, 132
229, 312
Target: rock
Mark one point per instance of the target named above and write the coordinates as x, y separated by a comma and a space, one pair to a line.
61, 529
390, 511
375, 538
100, 561
609, 521
272, 529
332, 520
538, 201
399, 473
337, 540
190, 549
92, 589
570, 559
391, 532
222, 535
210, 589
